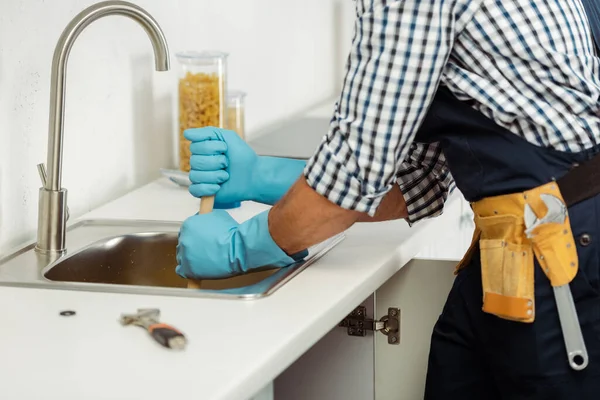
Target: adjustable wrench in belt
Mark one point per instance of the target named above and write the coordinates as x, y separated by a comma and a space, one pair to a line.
567, 313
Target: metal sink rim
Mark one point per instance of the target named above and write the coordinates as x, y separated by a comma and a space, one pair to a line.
252, 292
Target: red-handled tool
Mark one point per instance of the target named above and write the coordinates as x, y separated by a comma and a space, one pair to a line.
164, 334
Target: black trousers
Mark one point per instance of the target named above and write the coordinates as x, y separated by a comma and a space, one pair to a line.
475, 355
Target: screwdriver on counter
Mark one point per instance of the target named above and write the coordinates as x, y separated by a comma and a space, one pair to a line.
206, 206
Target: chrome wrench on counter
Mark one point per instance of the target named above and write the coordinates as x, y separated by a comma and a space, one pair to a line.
147, 318
567, 313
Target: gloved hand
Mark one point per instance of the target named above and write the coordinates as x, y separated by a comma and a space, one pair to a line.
222, 164
214, 246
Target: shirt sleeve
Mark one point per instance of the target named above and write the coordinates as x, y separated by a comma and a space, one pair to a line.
398, 54
425, 181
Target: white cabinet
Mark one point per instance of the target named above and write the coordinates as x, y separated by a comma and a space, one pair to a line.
343, 367
337, 367
419, 290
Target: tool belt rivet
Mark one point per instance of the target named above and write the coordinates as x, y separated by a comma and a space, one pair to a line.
585, 239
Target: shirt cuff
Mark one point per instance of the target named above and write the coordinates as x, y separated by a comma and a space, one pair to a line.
337, 180
426, 198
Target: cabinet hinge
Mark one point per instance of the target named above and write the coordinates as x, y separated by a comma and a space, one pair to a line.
357, 324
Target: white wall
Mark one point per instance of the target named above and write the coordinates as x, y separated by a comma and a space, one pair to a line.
120, 123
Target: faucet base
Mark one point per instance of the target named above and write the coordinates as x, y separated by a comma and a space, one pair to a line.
52, 220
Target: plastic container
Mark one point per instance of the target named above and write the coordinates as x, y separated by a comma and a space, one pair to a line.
202, 95
236, 122
235, 112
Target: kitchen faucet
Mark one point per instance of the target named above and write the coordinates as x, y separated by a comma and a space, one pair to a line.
53, 213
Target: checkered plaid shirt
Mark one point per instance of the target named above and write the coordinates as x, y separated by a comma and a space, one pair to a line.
529, 65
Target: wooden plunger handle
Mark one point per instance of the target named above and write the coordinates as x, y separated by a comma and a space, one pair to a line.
206, 206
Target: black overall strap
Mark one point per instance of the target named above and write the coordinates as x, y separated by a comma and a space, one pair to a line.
592, 9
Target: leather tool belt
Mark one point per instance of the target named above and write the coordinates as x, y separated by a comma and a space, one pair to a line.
507, 248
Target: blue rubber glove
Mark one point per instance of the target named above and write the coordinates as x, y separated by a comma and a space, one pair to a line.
222, 164
214, 246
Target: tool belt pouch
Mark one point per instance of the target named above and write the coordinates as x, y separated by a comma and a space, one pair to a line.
507, 250
506, 255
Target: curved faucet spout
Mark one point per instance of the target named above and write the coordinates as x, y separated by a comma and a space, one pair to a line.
59, 62
51, 218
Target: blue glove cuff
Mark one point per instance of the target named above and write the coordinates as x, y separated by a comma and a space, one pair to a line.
274, 176
227, 206
253, 239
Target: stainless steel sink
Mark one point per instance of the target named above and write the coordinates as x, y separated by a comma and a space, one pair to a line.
132, 256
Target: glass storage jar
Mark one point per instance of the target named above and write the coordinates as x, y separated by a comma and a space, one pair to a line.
202, 95
235, 112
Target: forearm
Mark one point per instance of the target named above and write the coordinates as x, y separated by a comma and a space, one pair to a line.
304, 218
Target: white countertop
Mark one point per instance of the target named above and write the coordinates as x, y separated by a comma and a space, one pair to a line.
235, 347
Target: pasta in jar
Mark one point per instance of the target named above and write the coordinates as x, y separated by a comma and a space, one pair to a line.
202, 96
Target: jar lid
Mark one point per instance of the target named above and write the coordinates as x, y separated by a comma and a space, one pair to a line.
235, 94
235, 98
200, 57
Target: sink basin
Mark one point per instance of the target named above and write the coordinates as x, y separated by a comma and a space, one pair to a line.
136, 257
146, 259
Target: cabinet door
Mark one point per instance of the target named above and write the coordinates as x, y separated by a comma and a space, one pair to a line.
419, 290
337, 367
